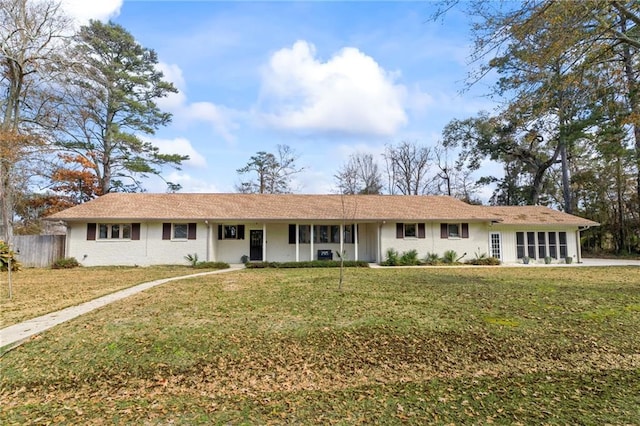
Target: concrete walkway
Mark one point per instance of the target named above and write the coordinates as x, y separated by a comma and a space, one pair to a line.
14, 335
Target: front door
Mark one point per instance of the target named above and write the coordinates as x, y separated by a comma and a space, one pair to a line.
496, 245
255, 244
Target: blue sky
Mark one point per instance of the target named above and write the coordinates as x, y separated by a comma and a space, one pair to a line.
326, 78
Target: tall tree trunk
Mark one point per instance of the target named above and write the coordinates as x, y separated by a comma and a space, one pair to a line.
633, 92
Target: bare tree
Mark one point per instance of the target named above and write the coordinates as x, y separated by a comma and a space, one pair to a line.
360, 175
272, 173
408, 167
31, 57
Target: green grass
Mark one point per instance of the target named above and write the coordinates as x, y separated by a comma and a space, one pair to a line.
397, 346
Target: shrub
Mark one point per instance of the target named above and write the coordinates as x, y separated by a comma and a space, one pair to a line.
7, 255
393, 258
409, 258
450, 257
309, 264
432, 259
65, 263
488, 261
211, 265
192, 259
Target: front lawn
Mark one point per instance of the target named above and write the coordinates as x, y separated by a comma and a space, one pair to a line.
397, 346
39, 291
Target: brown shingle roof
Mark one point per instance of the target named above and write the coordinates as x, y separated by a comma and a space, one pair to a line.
226, 207
536, 215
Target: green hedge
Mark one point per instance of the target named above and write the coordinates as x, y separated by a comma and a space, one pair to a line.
309, 264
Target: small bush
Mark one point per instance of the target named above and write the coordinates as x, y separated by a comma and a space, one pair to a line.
487, 261
7, 255
410, 258
211, 265
192, 259
66, 263
450, 257
432, 259
393, 258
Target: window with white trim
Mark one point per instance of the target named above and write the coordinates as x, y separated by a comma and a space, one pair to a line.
180, 231
114, 231
538, 245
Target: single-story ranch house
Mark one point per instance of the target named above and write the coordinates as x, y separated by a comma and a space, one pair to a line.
150, 229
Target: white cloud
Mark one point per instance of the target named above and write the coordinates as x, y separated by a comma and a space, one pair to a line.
183, 147
186, 113
83, 10
350, 93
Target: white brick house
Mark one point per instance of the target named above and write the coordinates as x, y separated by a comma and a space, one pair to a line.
150, 229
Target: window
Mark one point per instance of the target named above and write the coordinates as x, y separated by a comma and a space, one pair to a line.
520, 244
553, 249
305, 234
542, 244
454, 230
348, 234
179, 231
410, 230
231, 232
563, 244
531, 244
321, 234
114, 231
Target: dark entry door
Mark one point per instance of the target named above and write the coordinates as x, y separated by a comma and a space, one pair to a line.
255, 244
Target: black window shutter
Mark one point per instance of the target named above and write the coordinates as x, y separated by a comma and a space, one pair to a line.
292, 234
421, 233
220, 232
399, 230
91, 231
241, 232
191, 231
465, 230
135, 231
166, 231
444, 230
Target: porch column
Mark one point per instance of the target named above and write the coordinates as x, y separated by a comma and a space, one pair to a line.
209, 242
341, 239
214, 243
355, 241
297, 242
311, 243
264, 242
378, 239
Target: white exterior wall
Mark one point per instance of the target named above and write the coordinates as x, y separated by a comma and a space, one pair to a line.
151, 249
478, 241
508, 237
373, 242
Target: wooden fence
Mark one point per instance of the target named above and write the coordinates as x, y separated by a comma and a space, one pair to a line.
38, 251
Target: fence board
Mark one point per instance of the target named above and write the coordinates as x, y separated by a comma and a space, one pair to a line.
38, 251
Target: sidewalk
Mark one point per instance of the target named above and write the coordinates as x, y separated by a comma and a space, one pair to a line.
14, 335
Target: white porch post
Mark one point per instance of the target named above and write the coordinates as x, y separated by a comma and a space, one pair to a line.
297, 242
311, 245
264, 242
355, 241
378, 239
209, 241
214, 244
